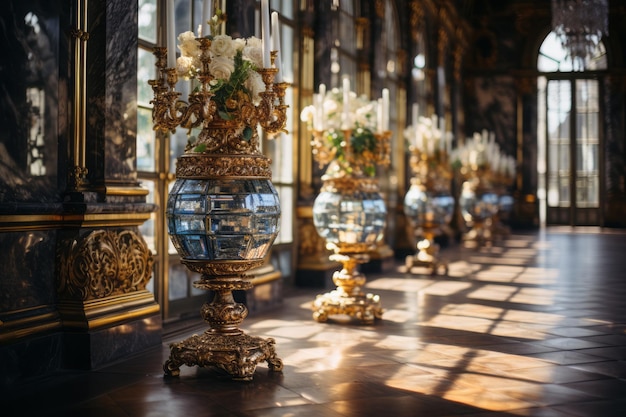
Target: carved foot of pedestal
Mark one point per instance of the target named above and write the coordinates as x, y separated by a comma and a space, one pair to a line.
237, 355
436, 266
365, 307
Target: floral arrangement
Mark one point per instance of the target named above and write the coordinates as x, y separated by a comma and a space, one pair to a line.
426, 137
429, 145
233, 66
482, 153
359, 117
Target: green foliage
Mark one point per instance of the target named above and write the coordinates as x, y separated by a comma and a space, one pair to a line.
247, 133
200, 148
363, 144
224, 91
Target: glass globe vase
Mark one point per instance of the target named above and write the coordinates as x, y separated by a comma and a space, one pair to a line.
223, 219
426, 209
350, 220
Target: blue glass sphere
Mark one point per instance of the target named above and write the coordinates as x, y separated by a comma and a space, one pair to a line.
477, 205
223, 219
355, 217
428, 209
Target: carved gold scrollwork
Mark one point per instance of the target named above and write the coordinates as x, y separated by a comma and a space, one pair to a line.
104, 263
224, 313
223, 268
225, 137
219, 166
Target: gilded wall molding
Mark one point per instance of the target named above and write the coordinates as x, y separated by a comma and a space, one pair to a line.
22, 222
78, 171
103, 263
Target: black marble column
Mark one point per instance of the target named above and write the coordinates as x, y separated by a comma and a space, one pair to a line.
74, 265
104, 264
112, 93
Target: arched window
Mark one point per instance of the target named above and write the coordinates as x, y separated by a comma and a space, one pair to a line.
569, 135
553, 57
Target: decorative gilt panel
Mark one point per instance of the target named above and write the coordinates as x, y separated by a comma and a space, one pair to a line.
310, 244
103, 263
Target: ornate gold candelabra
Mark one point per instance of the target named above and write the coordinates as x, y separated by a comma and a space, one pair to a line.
429, 206
223, 211
350, 215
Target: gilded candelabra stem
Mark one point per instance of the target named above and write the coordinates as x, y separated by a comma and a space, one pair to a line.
265, 109
278, 120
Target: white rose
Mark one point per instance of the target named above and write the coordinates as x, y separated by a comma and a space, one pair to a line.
366, 114
188, 44
221, 67
184, 65
240, 43
254, 42
255, 84
307, 114
223, 45
253, 54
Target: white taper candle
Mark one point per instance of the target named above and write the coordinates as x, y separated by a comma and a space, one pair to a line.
276, 47
265, 33
346, 103
207, 13
171, 34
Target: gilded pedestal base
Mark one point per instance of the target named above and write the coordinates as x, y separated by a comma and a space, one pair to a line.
365, 307
348, 299
480, 234
427, 257
237, 354
498, 229
223, 345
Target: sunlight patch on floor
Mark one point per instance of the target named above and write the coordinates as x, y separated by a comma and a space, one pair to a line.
514, 294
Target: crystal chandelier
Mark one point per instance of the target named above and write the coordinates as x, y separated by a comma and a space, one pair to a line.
580, 24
